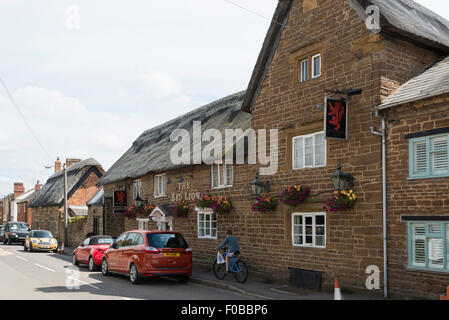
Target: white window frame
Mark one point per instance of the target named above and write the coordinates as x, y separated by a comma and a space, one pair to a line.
142, 224
135, 184
222, 176
207, 212
313, 66
313, 215
159, 193
304, 137
301, 72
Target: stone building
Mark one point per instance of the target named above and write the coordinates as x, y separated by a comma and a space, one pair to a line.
48, 203
314, 49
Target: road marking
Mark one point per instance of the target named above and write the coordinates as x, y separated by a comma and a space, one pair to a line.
24, 259
3, 252
43, 267
87, 284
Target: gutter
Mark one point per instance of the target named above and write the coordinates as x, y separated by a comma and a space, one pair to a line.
384, 198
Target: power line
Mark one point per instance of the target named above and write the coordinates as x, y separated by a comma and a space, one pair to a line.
253, 12
24, 119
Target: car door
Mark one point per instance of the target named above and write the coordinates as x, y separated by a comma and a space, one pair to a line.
127, 251
83, 252
113, 253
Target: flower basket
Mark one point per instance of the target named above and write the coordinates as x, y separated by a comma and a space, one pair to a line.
141, 211
265, 204
205, 201
294, 195
181, 209
341, 201
222, 206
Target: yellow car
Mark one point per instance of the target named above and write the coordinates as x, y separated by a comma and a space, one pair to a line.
40, 240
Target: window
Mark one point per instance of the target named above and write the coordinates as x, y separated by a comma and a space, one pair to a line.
159, 185
309, 230
137, 188
207, 224
304, 76
316, 66
96, 225
429, 157
429, 245
309, 151
222, 175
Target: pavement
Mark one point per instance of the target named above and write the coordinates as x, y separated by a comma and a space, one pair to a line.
259, 287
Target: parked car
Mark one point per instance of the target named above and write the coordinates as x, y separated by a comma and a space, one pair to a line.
140, 254
2, 233
91, 251
15, 232
40, 240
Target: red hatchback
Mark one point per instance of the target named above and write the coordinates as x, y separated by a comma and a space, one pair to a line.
149, 254
91, 251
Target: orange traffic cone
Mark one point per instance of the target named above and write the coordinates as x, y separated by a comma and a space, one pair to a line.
337, 291
447, 295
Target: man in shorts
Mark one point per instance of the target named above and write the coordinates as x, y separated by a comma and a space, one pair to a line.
233, 247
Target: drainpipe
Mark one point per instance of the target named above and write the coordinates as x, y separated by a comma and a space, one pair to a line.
384, 196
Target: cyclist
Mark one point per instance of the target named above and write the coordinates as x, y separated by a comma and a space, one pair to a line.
233, 246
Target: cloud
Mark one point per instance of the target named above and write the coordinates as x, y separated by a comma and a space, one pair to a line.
160, 84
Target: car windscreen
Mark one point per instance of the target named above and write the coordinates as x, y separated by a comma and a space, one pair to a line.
105, 240
41, 234
19, 226
166, 240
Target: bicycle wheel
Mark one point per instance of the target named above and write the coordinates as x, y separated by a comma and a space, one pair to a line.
219, 270
242, 275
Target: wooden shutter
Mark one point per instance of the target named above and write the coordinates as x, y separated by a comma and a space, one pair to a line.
439, 155
420, 157
419, 245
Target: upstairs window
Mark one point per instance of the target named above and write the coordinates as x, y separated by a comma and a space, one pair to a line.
304, 76
222, 175
309, 151
429, 157
159, 186
316, 66
137, 189
309, 68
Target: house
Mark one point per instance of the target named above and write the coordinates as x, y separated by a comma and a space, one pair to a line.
48, 203
19, 190
6, 206
24, 213
314, 49
417, 144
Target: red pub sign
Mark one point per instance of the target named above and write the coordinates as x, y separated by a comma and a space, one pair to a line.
336, 118
119, 198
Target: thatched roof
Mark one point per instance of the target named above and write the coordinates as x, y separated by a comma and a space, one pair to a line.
405, 18
52, 193
151, 151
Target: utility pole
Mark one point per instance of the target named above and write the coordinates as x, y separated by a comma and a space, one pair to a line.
65, 207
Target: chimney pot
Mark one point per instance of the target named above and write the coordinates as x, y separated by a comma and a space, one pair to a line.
57, 165
38, 186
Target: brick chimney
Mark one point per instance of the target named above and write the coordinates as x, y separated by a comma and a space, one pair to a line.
70, 161
18, 189
58, 165
38, 186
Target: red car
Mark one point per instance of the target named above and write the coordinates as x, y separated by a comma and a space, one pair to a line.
140, 254
91, 251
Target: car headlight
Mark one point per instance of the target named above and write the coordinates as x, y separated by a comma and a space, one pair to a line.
34, 241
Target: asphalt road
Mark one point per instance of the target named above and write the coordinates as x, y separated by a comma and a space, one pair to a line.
49, 276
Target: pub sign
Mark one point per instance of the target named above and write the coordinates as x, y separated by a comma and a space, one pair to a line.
120, 198
336, 119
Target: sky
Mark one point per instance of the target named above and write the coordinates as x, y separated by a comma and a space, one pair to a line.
89, 76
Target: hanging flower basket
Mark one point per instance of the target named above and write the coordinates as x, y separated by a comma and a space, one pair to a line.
265, 204
205, 201
181, 209
141, 211
341, 201
294, 195
222, 206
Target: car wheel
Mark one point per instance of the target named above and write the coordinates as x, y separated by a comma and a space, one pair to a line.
75, 261
92, 265
105, 268
25, 247
134, 276
183, 279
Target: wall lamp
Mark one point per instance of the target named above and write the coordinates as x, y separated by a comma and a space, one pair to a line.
257, 186
340, 179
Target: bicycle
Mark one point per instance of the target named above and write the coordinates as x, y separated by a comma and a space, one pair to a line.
236, 266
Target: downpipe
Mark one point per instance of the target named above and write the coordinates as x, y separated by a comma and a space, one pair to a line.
384, 197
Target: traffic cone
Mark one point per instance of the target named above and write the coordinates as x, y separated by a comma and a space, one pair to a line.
337, 291
447, 295
61, 250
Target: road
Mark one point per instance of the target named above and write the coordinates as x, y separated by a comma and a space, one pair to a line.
49, 276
